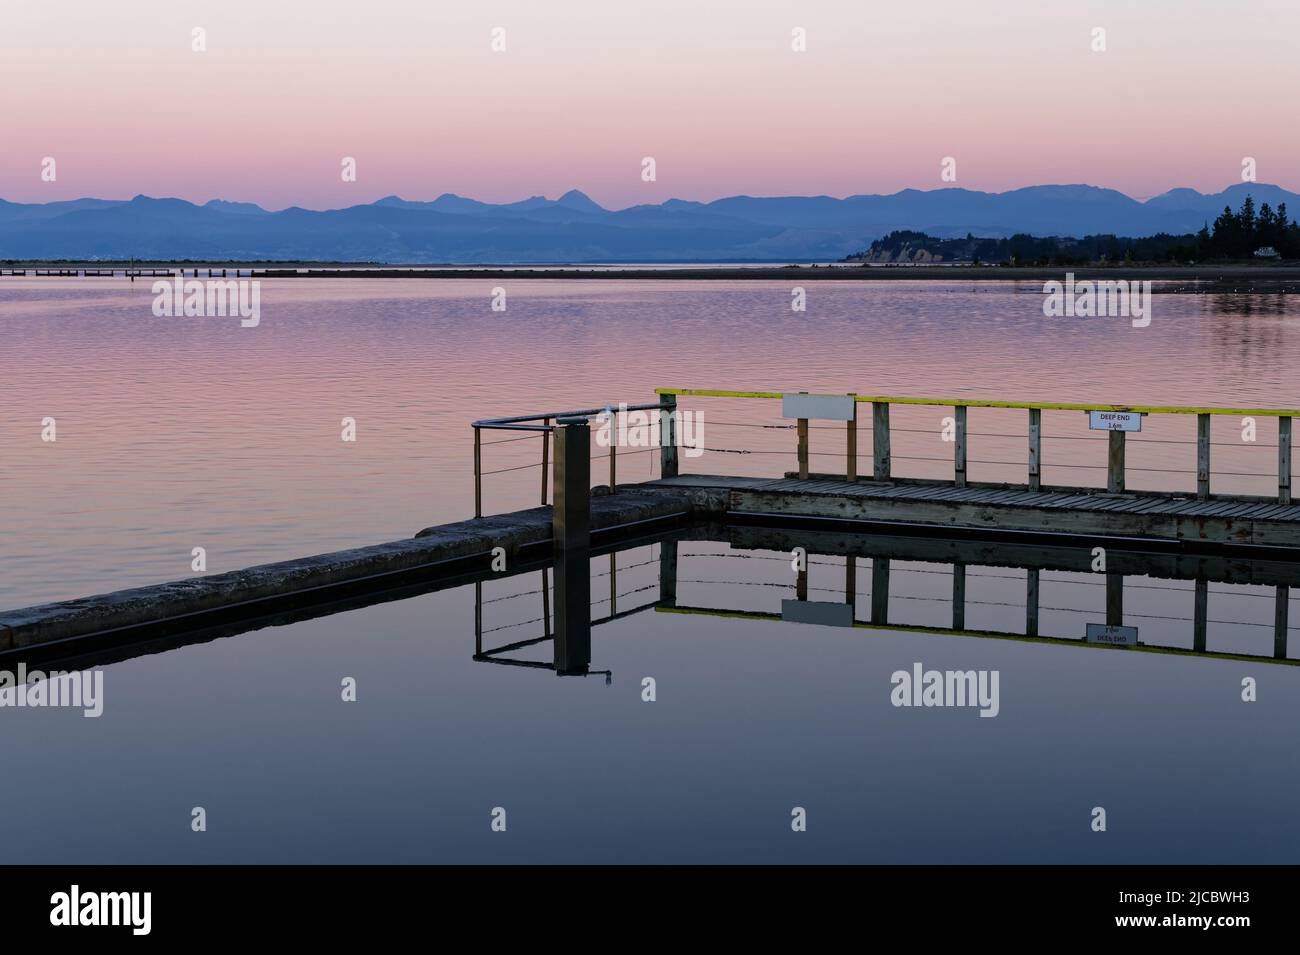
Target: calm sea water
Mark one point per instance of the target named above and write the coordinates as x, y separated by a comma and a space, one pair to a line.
176, 433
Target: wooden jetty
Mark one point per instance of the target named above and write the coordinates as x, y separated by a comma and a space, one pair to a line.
577, 519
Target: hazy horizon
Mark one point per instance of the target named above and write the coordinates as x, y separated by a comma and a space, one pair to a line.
428, 197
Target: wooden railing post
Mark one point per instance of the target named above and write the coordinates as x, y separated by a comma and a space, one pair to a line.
1035, 448
959, 451
1115, 463
803, 449
880, 440
613, 469
478, 473
1202, 457
851, 469
668, 436
1284, 459
546, 471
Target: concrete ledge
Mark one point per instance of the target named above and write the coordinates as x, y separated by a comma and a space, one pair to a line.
445, 549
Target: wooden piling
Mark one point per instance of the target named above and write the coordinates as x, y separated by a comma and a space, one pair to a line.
802, 450
851, 471
1202, 457
571, 544
668, 436
880, 440
1115, 463
959, 450
1035, 448
1284, 460
478, 472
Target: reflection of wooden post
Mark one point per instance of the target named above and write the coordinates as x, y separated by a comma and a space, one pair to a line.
571, 535
478, 614
879, 590
546, 601
801, 584
1284, 460
668, 573
880, 440
1035, 448
959, 451
1202, 457
851, 580
613, 584
1031, 603
668, 436
1279, 622
1115, 463
959, 596
852, 470
1115, 595
803, 449
1200, 614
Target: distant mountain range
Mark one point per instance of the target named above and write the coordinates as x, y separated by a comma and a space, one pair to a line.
573, 228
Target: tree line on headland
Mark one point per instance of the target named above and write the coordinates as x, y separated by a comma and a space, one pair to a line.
1232, 236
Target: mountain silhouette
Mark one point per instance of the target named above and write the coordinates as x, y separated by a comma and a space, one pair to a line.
574, 228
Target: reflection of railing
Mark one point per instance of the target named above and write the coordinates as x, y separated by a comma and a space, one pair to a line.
503, 654
836, 561
882, 458
544, 428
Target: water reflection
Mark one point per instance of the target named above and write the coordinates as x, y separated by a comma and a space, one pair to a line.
1143, 600
840, 561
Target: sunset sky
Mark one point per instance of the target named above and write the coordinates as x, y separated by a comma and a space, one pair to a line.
585, 88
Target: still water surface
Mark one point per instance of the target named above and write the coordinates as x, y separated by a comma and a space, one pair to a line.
175, 433
178, 433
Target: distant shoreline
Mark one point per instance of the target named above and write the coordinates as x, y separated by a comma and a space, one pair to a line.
1266, 277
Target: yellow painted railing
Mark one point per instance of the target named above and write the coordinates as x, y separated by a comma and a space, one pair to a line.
980, 403
1115, 467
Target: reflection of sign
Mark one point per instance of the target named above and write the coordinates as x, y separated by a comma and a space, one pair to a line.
1115, 420
1109, 636
820, 612
825, 407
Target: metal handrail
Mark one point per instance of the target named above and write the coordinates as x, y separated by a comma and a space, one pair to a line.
520, 423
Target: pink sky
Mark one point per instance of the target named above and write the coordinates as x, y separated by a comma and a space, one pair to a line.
586, 88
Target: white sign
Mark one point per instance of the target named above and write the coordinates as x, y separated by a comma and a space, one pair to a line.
1112, 636
819, 407
1115, 420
